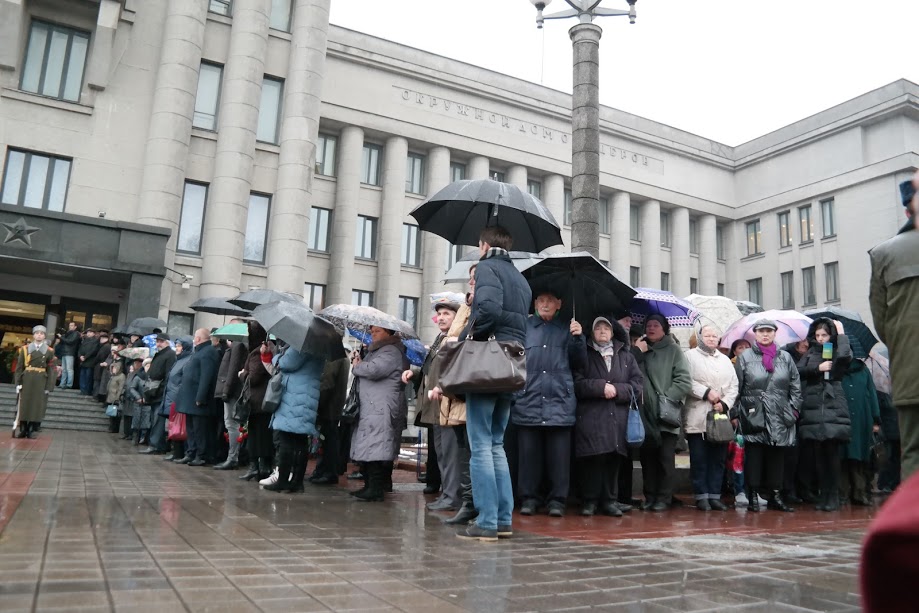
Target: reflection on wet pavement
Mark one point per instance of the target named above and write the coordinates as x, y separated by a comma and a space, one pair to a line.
87, 524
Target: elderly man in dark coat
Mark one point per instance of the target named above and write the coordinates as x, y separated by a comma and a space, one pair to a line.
89, 347
34, 379
544, 411
196, 397
162, 364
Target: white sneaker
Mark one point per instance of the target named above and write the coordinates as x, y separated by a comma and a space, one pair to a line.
741, 500
762, 501
270, 479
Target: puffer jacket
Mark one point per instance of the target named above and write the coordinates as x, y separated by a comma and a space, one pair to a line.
709, 372
781, 398
601, 423
824, 410
174, 379
300, 376
501, 302
665, 368
384, 410
552, 354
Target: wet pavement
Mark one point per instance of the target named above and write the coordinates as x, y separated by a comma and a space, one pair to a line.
89, 525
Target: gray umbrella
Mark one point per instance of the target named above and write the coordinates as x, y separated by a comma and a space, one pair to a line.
362, 317
256, 297
298, 326
146, 325
459, 272
219, 306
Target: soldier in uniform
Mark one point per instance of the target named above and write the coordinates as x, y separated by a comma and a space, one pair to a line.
35, 378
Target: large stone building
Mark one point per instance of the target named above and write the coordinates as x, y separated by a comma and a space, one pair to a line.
158, 152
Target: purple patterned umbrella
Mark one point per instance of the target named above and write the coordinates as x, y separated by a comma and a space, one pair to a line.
679, 313
792, 327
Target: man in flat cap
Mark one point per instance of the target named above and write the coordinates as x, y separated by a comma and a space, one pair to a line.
894, 298
35, 378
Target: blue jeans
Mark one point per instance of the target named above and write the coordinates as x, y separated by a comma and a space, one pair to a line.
86, 380
706, 466
486, 418
67, 371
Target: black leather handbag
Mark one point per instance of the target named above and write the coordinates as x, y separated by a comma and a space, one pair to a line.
352, 409
482, 367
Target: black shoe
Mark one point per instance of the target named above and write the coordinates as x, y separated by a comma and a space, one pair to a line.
169, 457
148, 451
296, 489
325, 480
703, 505
777, 504
659, 506
556, 509
474, 532
430, 489
612, 509
505, 532
183, 460
647, 504
252, 473
197, 463
792, 499
278, 487
753, 504
861, 501
831, 504
442, 505
466, 514
528, 507
717, 505
369, 495
625, 508
227, 465
589, 509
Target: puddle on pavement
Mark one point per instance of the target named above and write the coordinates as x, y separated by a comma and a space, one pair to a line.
724, 548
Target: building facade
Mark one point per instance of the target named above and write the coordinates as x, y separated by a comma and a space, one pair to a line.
277, 151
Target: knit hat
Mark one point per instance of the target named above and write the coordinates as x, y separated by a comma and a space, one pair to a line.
907, 191
661, 320
39, 328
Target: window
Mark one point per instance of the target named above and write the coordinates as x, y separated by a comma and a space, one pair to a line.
719, 242
755, 290
408, 310
454, 254
810, 286
256, 229
665, 228
784, 229
693, 285
807, 224
788, 290
411, 245
828, 218
604, 215
496, 175
319, 229
370, 164
221, 7
361, 298
279, 18
831, 271
457, 171
720, 289
54, 62
414, 174
366, 243
180, 324
35, 181
567, 208
269, 110
325, 155
535, 188
694, 237
314, 296
207, 97
634, 276
754, 238
191, 221
665, 281
634, 223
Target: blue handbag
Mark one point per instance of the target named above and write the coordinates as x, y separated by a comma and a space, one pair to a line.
111, 410
635, 428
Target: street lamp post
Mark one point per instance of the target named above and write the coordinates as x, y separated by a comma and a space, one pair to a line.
585, 116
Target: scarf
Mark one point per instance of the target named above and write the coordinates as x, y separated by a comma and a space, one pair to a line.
607, 350
495, 251
769, 353
706, 349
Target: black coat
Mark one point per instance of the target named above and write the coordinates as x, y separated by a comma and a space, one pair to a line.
89, 347
70, 342
173, 382
824, 410
333, 389
199, 378
159, 370
228, 382
502, 301
258, 377
601, 423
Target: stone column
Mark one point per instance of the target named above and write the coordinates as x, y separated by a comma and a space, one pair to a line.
553, 196
708, 256
585, 139
517, 175
100, 55
11, 30
733, 252
344, 217
228, 199
679, 252
392, 215
290, 207
651, 244
477, 168
434, 247
169, 132
619, 259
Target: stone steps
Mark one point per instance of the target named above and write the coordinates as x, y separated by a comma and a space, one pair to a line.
67, 410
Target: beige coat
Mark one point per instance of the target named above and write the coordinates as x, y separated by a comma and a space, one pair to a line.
708, 372
452, 409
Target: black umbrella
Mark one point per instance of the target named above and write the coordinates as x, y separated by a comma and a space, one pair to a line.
861, 338
146, 325
219, 306
257, 297
298, 326
586, 286
461, 210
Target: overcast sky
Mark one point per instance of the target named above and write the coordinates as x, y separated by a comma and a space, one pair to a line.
729, 70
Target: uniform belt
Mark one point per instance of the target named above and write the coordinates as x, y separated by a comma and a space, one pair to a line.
35, 369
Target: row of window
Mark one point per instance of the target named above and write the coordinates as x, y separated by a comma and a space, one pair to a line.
635, 281
371, 165
786, 230
207, 101
808, 286
314, 295
278, 17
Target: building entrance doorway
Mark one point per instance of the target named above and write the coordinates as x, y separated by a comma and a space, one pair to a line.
19, 313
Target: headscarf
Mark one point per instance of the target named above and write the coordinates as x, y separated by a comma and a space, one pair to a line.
769, 353
606, 349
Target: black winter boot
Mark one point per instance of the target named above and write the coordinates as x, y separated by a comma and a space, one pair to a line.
753, 497
252, 473
375, 482
299, 470
285, 464
777, 504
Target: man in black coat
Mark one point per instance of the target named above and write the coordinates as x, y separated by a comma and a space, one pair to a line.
227, 393
69, 346
196, 398
333, 390
163, 361
89, 347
